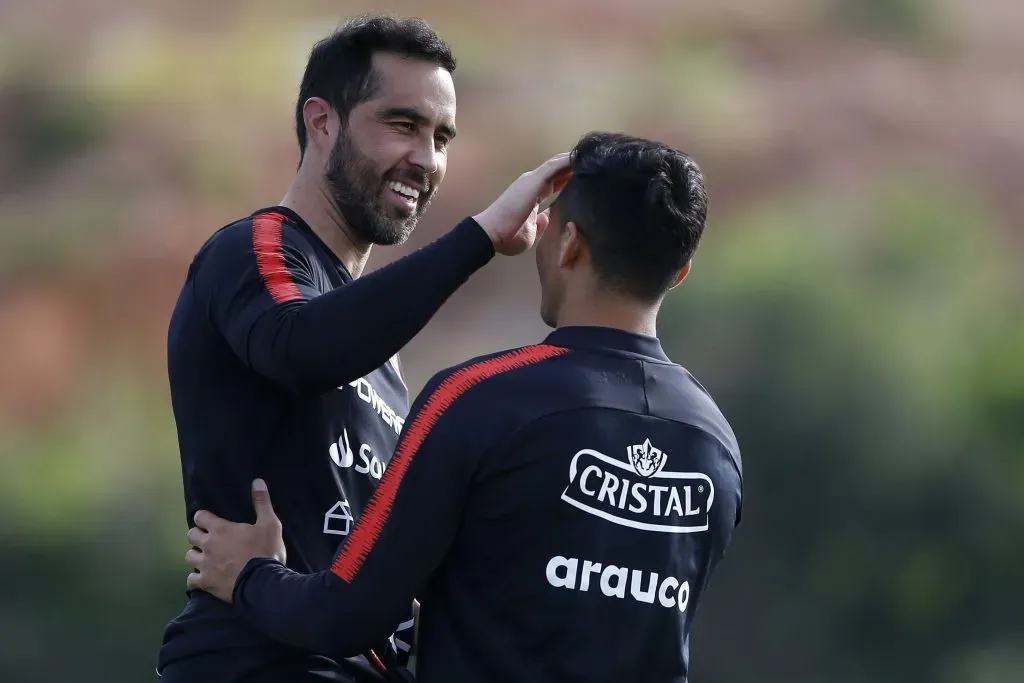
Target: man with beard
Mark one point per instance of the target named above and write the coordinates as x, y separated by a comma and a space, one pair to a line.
283, 359
581, 491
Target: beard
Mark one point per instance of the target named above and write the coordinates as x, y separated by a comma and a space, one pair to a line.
357, 189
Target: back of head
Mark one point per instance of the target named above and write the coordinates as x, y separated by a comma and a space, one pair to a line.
640, 206
340, 70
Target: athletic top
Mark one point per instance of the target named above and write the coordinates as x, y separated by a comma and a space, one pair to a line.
558, 509
283, 367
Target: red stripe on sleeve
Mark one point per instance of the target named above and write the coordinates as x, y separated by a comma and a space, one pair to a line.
266, 244
372, 522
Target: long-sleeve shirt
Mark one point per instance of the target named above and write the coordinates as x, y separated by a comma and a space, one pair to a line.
283, 366
558, 509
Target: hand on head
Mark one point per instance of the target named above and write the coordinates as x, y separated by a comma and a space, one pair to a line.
514, 220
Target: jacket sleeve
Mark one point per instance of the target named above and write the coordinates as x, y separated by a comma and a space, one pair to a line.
395, 546
265, 293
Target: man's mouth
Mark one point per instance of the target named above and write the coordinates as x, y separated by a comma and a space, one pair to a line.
404, 194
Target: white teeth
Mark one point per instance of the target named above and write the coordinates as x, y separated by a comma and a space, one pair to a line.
404, 190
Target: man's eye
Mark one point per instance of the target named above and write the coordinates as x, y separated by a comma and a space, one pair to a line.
406, 126
442, 143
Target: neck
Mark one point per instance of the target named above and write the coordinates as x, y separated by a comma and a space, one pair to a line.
610, 311
309, 199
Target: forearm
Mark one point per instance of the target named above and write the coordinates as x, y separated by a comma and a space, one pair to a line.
347, 333
398, 542
316, 612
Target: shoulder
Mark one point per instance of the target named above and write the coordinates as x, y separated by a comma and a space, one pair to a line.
492, 369
480, 398
264, 238
700, 410
264, 229
472, 386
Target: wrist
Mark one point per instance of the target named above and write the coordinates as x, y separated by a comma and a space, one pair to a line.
247, 571
481, 220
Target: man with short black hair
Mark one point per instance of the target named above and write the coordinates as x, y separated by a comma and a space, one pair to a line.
559, 508
282, 355
349, 68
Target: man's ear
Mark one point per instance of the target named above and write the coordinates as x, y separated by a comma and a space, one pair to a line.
316, 113
682, 275
570, 245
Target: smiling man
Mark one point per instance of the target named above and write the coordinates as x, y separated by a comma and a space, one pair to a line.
558, 509
282, 357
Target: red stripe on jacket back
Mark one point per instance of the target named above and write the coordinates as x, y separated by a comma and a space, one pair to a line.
372, 522
269, 250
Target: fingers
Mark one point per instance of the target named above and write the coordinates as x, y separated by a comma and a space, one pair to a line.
561, 180
549, 199
195, 582
261, 502
511, 219
555, 171
543, 218
204, 519
197, 537
553, 166
553, 187
195, 558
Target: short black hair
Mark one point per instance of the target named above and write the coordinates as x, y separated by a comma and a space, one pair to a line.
641, 207
340, 68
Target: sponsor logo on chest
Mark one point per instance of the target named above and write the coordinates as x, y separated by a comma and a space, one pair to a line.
361, 459
367, 394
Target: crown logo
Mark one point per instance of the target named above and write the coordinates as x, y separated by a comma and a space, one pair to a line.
646, 459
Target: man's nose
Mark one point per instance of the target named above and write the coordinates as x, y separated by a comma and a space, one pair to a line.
426, 156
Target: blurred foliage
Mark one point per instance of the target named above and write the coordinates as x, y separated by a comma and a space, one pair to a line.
867, 378
904, 19
46, 127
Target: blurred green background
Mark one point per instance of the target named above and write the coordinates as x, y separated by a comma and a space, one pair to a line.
855, 306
